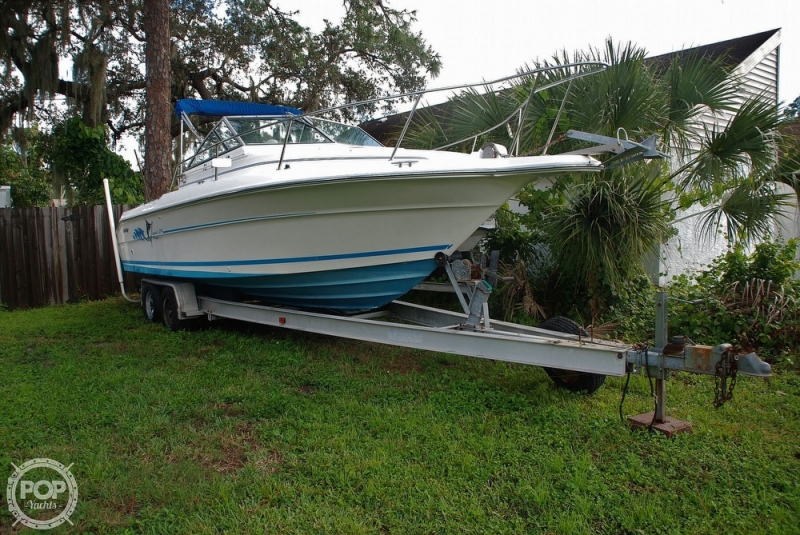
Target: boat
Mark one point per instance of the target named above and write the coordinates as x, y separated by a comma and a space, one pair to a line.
294, 209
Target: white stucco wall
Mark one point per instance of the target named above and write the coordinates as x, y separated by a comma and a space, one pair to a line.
688, 251
788, 224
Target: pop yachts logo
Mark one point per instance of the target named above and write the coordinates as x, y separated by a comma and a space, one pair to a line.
42, 493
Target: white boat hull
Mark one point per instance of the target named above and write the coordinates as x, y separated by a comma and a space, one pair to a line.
361, 237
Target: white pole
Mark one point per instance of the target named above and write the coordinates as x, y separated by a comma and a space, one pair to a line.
114, 241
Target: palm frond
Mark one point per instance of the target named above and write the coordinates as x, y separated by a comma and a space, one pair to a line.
747, 212
745, 145
611, 222
623, 96
787, 170
693, 85
425, 132
475, 112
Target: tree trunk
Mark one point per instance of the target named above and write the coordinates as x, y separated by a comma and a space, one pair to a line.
158, 142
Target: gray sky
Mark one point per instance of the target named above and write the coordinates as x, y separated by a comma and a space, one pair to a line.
484, 40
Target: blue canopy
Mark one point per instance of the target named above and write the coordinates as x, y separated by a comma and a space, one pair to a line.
218, 108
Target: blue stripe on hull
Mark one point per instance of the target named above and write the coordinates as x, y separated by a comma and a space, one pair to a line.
346, 290
146, 264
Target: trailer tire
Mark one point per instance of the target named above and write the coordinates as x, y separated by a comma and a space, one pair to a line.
151, 303
571, 380
169, 311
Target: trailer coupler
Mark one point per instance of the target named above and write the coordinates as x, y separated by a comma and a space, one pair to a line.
682, 355
679, 355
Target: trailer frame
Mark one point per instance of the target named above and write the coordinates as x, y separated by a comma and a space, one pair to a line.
472, 333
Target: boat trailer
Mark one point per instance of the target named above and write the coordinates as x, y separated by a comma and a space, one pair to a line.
572, 358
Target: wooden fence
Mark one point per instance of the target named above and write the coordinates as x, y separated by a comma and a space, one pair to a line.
57, 255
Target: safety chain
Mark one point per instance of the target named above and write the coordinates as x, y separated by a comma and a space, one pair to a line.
725, 369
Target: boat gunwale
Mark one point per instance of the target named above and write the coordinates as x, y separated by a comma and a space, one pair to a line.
588, 165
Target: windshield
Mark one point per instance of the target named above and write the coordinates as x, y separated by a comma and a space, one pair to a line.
271, 130
343, 133
220, 140
267, 130
232, 132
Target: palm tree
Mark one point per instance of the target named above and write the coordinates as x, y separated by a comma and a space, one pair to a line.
604, 225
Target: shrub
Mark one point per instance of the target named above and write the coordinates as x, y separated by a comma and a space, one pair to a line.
22, 169
750, 300
81, 153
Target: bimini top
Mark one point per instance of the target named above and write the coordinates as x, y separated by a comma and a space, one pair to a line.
219, 108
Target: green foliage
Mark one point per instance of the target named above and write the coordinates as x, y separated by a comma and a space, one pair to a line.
792, 111
751, 300
24, 170
609, 223
230, 49
81, 153
596, 230
631, 309
584, 240
544, 284
626, 95
770, 261
692, 85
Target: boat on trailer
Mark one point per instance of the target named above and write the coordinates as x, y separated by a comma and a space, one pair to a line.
306, 213
297, 210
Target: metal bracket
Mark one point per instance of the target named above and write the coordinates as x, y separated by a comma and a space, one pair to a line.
625, 151
477, 309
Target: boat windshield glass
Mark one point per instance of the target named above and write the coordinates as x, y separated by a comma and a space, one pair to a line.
220, 140
232, 132
344, 133
271, 130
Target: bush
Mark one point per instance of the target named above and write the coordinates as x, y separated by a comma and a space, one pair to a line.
28, 178
750, 300
539, 288
81, 153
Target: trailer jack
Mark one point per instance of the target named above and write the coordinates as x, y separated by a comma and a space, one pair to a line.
683, 354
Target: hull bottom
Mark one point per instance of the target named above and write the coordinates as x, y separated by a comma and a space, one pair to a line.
344, 290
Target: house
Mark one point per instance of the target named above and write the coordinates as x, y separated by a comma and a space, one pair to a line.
753, 59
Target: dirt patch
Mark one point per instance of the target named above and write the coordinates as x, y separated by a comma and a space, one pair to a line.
233, 459
271, 464
231, 410
234, 449
403, 363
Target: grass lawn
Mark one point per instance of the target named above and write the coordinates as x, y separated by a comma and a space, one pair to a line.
244, 429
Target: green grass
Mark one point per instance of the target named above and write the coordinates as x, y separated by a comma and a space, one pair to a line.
243, 429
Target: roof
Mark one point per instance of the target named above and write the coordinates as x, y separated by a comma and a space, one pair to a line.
732, 51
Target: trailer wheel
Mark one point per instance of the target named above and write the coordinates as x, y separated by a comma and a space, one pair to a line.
572, 380
151, 303
169, 311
